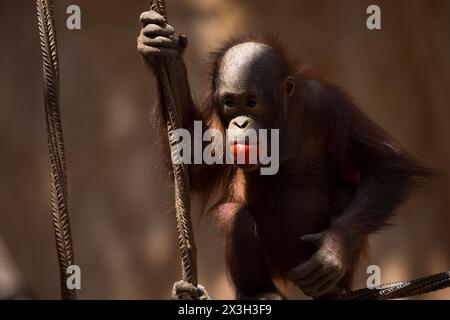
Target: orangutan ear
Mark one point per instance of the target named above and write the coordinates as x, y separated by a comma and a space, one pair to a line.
290, 86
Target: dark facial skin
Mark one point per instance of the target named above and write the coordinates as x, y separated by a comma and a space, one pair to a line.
248, 89
250, 83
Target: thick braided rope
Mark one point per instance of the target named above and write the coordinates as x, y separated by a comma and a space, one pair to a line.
169, 84
58, 183
401, 289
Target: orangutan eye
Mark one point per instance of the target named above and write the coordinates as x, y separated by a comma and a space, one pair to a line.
229, 103
251, 103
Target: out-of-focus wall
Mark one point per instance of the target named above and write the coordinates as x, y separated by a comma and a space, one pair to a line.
121, 202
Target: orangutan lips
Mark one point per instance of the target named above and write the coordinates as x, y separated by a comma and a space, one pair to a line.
242, 152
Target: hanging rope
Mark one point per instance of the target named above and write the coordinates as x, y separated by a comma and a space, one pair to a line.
167, 75
58, 177
402, 289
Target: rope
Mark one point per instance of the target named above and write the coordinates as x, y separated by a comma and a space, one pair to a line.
167, 74
401, 289
58, 176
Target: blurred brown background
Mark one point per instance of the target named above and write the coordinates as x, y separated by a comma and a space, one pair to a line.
120, 199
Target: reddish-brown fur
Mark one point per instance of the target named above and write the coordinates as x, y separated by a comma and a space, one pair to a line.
348, 176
